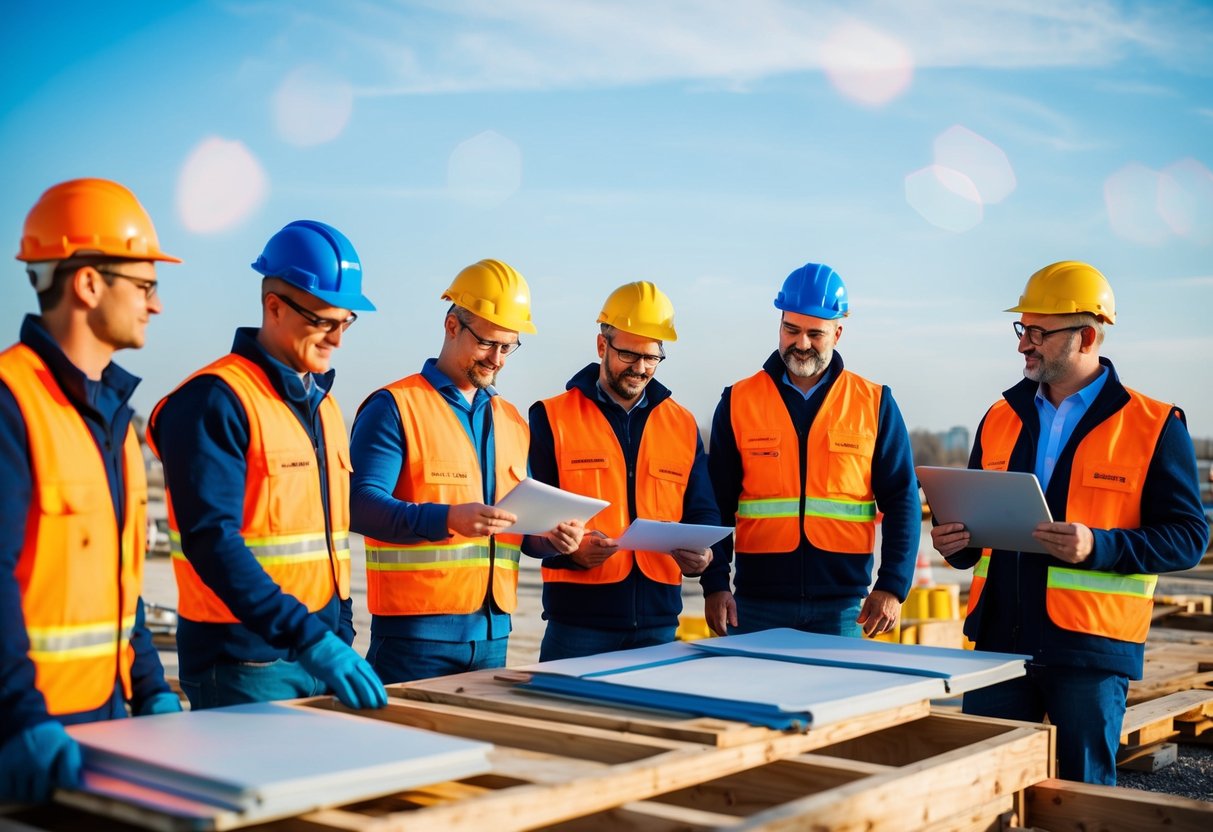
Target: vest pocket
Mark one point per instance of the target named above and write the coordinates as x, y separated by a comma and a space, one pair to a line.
762, 463
293, 486
850, 464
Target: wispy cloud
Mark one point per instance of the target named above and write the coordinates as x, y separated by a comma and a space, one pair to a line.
412, 47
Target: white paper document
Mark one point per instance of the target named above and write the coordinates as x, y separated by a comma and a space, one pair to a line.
541, 507
660, 536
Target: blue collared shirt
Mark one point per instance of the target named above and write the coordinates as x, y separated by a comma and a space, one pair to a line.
805, 393
1058, 423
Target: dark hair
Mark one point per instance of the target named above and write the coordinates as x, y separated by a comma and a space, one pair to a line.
50, 297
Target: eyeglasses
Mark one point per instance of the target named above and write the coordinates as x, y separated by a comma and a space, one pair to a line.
492, 346
323, 324
1037, 335
629, 357
148, 287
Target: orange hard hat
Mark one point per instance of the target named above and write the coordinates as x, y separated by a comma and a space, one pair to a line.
89, 217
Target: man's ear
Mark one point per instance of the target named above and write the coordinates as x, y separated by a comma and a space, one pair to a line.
85, 284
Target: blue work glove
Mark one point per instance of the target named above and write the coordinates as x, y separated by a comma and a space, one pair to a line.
165, 702
36, 761
346, 673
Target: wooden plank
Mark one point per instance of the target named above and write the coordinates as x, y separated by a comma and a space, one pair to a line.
1201, 621
924, 793
1064, 805
1151, 759
1154, 721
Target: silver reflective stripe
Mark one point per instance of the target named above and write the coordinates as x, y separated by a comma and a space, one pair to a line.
510, 553
82, 639
426, 555
1141, 586
278, 550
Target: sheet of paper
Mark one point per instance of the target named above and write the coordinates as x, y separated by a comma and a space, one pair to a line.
658, 536
541, 507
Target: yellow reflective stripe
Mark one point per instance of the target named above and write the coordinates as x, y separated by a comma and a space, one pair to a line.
1109, 583
982, 568
77, 641
508, 555
768, 509
854, 511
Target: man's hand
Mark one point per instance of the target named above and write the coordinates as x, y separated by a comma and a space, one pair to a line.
566, 537
720, 610
1070, 542
949, 538
477, 520
692, 561
879, 613
595, 548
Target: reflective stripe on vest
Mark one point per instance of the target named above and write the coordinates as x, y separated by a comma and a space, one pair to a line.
284, 524
591, 462
79, 575
839, 512
442, 466
1106, 480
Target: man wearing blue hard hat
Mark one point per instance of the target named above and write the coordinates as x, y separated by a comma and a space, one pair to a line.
257, 470
803, 454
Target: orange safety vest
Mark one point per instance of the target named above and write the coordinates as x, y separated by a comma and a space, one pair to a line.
1106, 482
839, 513
441, 466
284, 523
79, 574
591, 462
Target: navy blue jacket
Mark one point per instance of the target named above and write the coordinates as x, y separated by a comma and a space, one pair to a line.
637, 601
202, 434
1011, 616
809, 572
103, 406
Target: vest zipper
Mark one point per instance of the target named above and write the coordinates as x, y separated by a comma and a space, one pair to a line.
322, 468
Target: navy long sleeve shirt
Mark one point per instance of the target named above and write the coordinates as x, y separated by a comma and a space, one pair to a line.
202, 433
809, 572
103, 406
637, 601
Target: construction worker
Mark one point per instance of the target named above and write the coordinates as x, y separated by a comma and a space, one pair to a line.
73, 492
617, 435
803, 454
432, 453
257, 470
1119, 474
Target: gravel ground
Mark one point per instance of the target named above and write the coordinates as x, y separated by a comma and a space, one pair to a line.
1191, 775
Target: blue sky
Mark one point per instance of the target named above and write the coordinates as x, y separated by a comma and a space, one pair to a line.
934, 153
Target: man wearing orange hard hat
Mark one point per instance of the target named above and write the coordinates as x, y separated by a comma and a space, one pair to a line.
73, 494
1118, 471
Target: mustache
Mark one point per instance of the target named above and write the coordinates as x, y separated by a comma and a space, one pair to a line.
801, 355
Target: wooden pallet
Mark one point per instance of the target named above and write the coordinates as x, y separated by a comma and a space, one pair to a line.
1149, 726
1062, 805
559, 764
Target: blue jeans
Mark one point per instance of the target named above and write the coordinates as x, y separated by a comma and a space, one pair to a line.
832, 616
1087, 706
569, 641
236, 684
409, 659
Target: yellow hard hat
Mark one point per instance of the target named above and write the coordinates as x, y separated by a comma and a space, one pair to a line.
494, 291
641, 309
1067, 287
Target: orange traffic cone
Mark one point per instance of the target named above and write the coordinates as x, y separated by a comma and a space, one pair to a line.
922, 570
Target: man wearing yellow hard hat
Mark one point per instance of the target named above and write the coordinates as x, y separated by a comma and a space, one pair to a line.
1119, 474
432, 453
617, 435
73, 494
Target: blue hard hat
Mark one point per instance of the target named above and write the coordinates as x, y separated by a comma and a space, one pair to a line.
814, 289
318, 259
